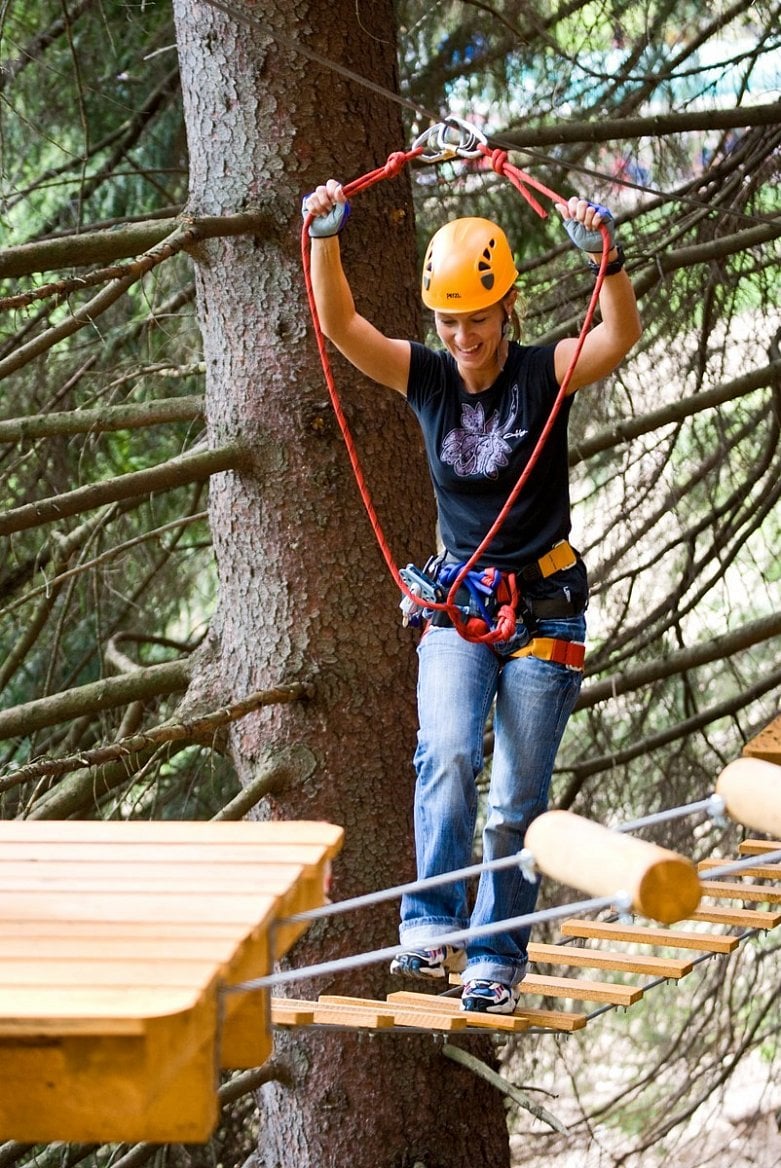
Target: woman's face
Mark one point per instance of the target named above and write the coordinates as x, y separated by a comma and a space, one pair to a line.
472, 338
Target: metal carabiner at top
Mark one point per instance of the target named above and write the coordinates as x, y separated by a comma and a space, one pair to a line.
453, 138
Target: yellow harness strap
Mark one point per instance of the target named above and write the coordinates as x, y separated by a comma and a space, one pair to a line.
569, 653
560, 556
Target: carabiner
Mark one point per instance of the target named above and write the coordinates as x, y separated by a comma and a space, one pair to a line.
466, 144
469, 141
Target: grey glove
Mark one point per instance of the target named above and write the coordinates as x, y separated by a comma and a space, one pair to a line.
590, 239
330, 224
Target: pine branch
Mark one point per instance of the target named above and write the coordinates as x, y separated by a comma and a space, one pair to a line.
625, 430
608, 129
200, 729
693, 656
136, 239
643, 747
185, 468
128, 416
152, 681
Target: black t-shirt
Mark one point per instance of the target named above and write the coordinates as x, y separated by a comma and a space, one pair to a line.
478, 445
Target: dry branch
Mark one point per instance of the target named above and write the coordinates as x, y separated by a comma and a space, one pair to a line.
479, 1068
625, 431
657, 126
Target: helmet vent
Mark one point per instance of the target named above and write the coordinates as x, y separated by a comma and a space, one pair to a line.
484, 266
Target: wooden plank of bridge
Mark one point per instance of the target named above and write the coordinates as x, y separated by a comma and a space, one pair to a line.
355, 1013
524, 1016
755, 847
729, 891
581, 989
437, 1004
648, 935
118, 939
749, 918
406, 1016
755, 872
670, 967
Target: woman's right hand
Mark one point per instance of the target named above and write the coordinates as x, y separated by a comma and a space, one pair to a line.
329, 208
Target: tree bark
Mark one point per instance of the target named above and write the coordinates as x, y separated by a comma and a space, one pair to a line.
303, 588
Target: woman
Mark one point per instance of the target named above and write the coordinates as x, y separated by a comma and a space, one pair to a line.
482, 403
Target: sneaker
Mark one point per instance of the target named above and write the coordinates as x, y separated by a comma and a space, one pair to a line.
489, 997
429, 962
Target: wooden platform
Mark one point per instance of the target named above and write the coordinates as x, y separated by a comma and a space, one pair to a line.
766, 744
116, 939
555, 982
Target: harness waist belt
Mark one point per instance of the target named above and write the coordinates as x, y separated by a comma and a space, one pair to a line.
569, 653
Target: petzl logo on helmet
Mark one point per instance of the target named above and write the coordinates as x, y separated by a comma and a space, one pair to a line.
453, 295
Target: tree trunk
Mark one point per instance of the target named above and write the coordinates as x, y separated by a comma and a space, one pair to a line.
304, 593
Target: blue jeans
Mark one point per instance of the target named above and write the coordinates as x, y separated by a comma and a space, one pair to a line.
457, 683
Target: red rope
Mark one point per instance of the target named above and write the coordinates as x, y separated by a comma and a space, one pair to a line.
504, 626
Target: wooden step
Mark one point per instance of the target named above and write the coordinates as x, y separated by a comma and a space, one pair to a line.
750, 918
419, 1017
529, 1016
437, 1004
757, 872
645, 935
755, 847
729, 891
669, 967
358, 1014
581, 989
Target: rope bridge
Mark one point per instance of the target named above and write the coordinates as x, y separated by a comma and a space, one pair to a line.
138, 957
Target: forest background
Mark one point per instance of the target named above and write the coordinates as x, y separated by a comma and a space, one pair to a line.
185, 542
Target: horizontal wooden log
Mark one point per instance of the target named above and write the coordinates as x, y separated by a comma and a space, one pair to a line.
751, 790
587, 856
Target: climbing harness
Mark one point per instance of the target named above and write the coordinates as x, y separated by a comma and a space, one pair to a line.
445, 141
480, 596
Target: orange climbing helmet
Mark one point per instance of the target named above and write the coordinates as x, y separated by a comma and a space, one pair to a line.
468, 266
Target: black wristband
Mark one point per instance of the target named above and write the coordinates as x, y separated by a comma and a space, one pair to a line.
613, 267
